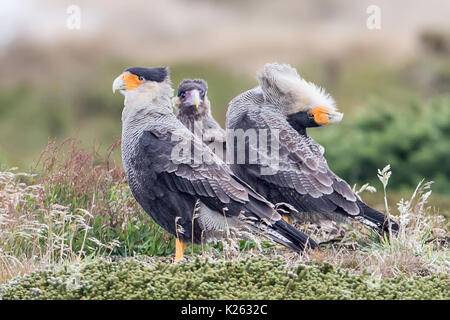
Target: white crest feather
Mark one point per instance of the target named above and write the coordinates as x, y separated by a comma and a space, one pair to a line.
304, 95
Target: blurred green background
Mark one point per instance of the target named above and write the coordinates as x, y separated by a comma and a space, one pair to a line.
392, 84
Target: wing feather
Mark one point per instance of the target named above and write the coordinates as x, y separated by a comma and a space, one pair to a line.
197, 179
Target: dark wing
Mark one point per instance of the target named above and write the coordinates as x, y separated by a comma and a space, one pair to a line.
304, 169
209, 180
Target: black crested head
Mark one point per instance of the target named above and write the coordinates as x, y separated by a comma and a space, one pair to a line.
191, 84
157, 74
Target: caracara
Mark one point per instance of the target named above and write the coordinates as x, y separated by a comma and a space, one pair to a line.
283, 105
194, 111
191, 198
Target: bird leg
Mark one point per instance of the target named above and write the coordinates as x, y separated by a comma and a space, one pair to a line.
180, 245
227, 228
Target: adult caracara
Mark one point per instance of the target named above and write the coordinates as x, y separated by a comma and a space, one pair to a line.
190, 199
194, 111
300, 176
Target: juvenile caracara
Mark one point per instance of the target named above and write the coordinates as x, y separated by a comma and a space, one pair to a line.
194, 111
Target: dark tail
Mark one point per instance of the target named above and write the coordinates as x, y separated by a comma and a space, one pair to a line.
297, 240
278, 230
376, 219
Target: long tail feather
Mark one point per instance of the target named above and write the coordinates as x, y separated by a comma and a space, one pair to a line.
376, 219
298, 241
277, 229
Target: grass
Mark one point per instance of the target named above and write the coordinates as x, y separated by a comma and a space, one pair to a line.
79, 205
420, 248
75, 210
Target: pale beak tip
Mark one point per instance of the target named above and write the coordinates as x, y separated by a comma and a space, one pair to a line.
196, 98
336, 117
118, 84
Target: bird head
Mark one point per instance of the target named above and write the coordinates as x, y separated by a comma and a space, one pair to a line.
282, 86
138, 83
191, 97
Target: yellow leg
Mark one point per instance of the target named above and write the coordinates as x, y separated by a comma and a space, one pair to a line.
180, 245
286, 218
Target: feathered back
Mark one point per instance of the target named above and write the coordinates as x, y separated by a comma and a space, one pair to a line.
283, 86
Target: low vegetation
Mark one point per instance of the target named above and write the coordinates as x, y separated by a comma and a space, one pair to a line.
255, 278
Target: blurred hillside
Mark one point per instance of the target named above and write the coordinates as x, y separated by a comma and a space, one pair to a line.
392, 84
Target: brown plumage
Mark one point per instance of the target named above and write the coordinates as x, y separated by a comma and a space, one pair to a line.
194, 111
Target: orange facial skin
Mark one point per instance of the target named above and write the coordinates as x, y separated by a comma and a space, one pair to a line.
320, 115
131, 80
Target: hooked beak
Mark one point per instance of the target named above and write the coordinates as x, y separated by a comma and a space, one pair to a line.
335, 116
323, 116
192, 98
118, 84
196, 98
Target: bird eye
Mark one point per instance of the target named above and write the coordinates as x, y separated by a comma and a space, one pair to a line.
202, 93
183, 94
311, 115
141, 78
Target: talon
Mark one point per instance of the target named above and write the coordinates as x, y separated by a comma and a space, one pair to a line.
287, 206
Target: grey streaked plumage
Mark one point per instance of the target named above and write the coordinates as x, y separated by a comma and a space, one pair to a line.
303, 178
189, 199
199, 120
